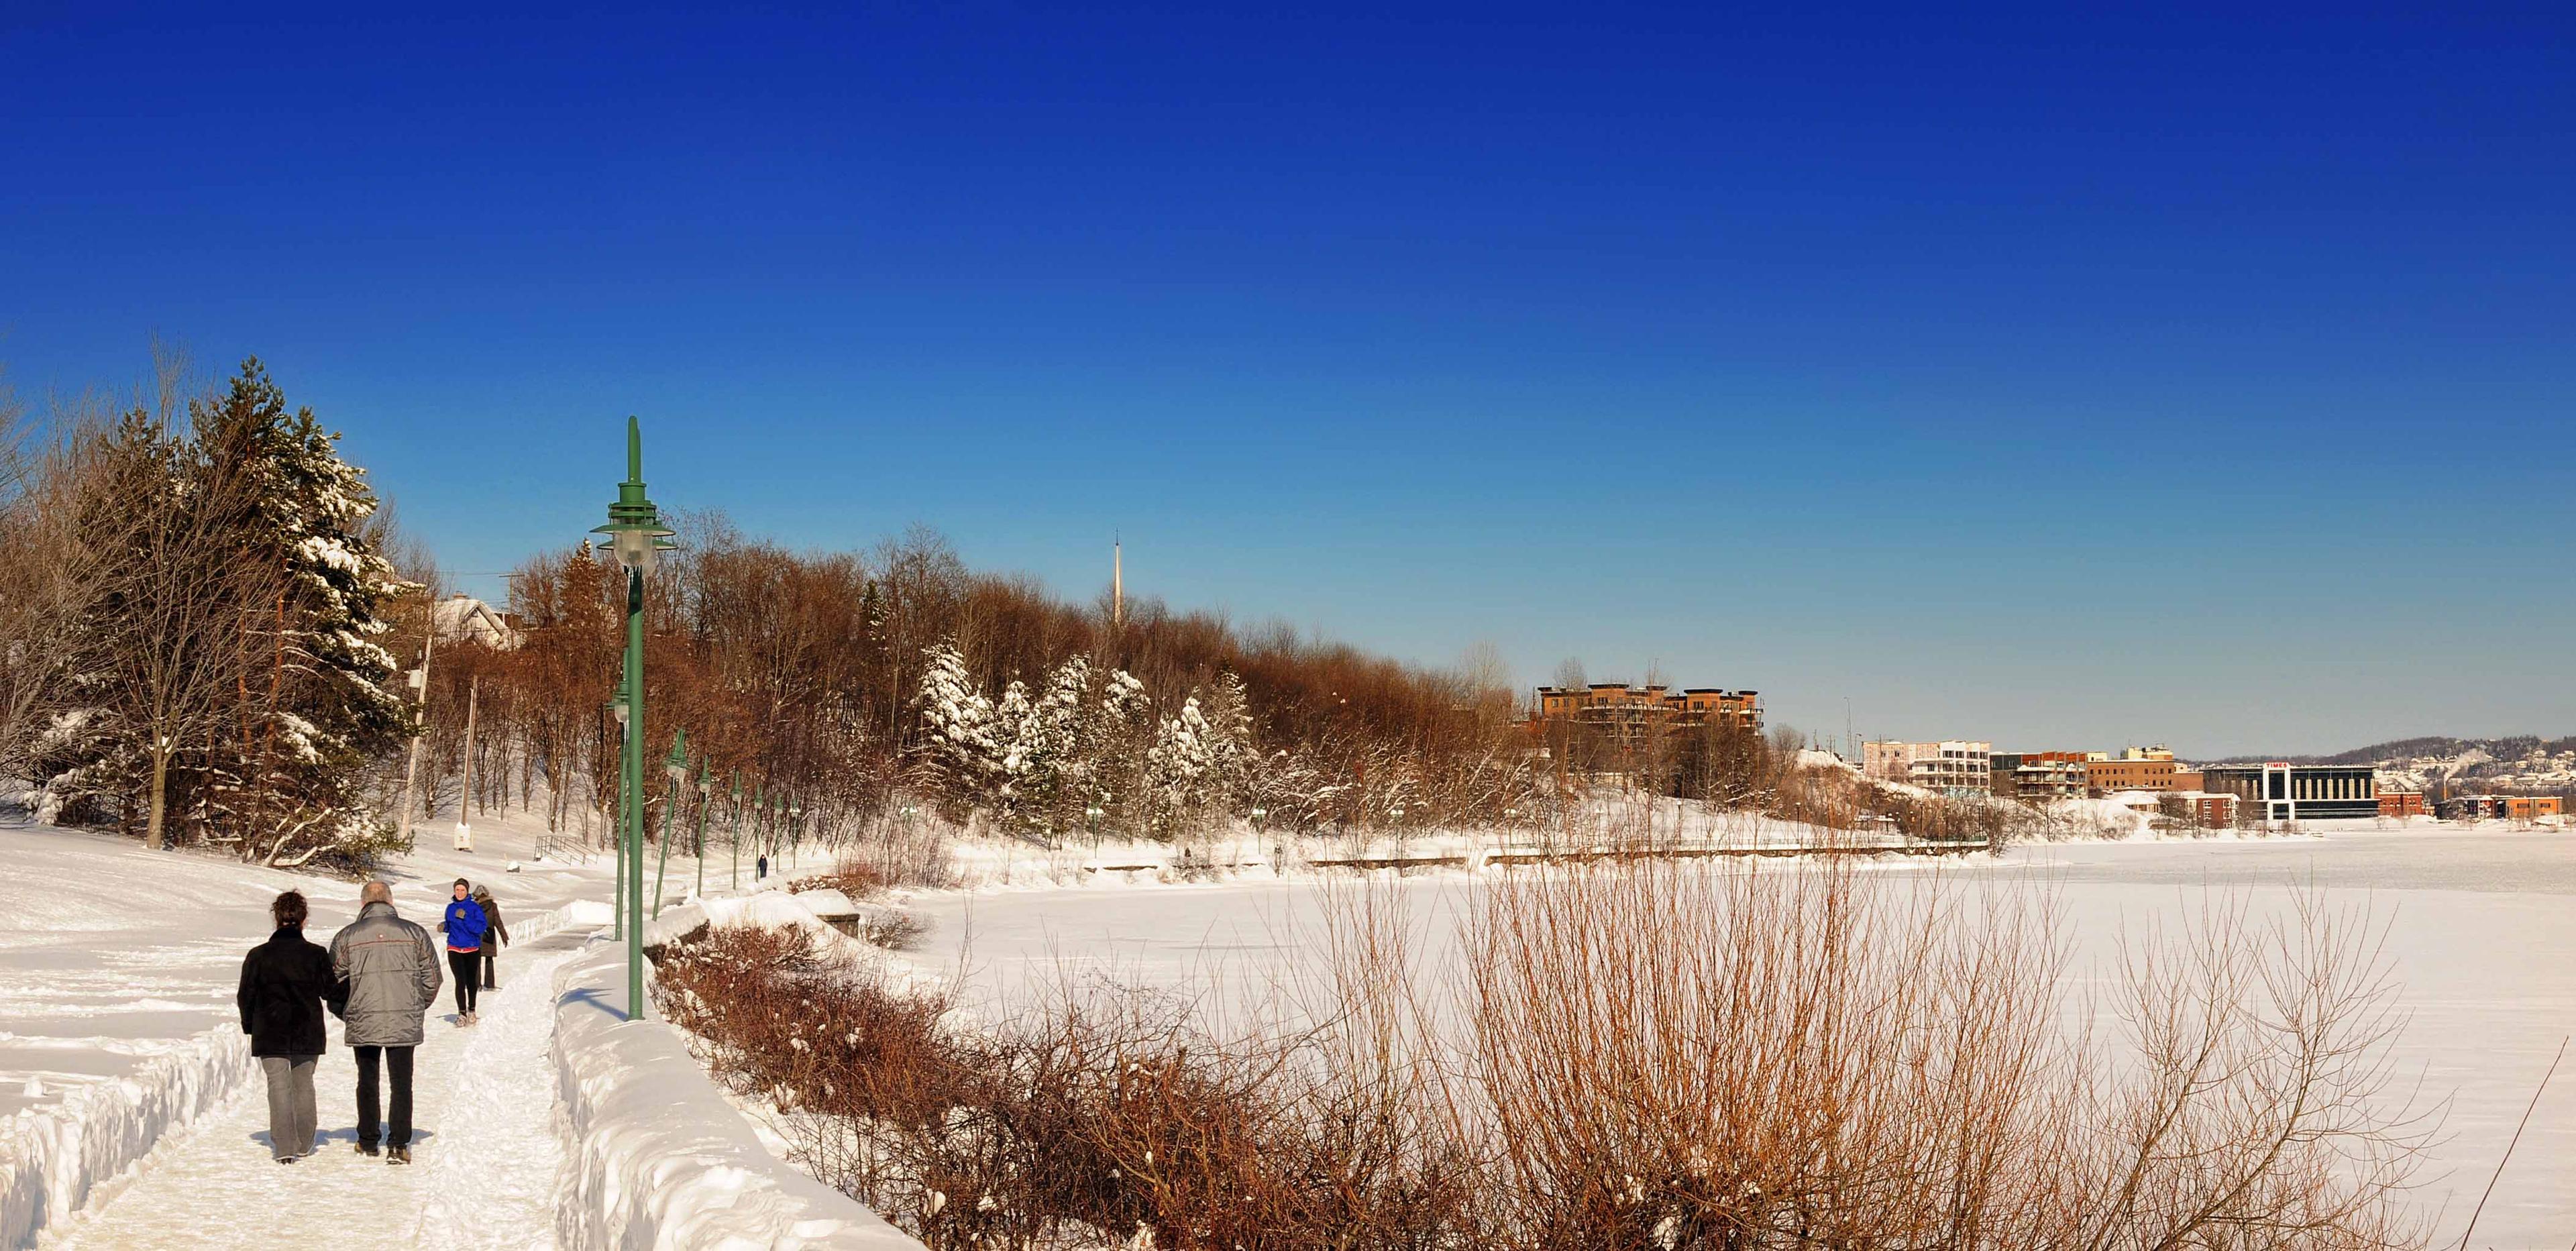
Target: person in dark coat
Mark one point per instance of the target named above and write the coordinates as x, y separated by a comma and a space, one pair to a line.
497, 938
284, 984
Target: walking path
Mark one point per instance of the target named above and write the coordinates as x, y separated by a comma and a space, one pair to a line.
485, 1156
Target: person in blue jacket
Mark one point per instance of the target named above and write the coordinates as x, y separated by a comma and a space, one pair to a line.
465, 926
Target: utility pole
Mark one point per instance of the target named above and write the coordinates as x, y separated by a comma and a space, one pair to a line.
465, 789
411, 768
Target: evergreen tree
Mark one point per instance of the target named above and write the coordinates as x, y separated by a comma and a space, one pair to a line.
959, 752
1014, 728
322, 708
1049, 790
1233, 758
1120, 733
1180, 767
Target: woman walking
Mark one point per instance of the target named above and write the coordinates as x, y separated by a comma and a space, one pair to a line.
498, 937
464, 928
284, 982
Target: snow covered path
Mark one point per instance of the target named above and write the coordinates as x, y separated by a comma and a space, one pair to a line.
484, 1148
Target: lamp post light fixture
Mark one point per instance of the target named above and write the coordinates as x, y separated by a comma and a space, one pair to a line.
734, 844
675, 768
1093, 813
636, 534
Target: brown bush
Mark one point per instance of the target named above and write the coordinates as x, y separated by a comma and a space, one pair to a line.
1652, 1056
854, 876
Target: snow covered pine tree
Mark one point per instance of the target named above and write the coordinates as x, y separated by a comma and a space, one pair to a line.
320, 710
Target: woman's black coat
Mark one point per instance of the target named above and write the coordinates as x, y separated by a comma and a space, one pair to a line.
283, 984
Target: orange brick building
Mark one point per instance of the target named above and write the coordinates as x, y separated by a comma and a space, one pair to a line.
1626, 714
2401, 803
2135, 769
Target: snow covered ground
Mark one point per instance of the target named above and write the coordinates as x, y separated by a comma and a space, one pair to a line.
2482, 924
117, 972
485, 1153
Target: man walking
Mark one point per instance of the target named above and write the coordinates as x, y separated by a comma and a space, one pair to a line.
387, 973
284, 982
464, 925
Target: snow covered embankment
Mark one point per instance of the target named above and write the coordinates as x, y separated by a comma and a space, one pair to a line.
653, 1154
56, 1156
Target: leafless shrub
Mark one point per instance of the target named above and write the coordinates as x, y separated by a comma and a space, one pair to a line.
1652, 1055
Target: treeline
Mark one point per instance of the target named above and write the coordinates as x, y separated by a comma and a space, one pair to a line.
193, 594
855, 685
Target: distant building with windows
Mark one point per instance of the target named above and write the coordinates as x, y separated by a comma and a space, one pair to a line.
2133, 769
2401, 803
1957, 768
1628, 714
2501, 807
464, 619
2281, 793
2036, 777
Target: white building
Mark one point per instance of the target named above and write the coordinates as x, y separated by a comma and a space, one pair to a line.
1957, 768
464, 619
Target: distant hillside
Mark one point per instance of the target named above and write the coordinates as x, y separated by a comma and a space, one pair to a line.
2515, 762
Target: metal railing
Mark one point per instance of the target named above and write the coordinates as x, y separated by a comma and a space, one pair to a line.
563, 849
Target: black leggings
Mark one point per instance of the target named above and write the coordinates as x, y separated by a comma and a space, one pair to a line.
467, 966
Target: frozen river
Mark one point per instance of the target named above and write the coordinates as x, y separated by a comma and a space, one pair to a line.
2481, 926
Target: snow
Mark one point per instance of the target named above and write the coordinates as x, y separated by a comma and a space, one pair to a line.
2480, 924
485, 1158
137, 1119
656, 1155
117, 972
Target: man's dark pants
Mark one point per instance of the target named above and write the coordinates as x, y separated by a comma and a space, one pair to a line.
398, 1060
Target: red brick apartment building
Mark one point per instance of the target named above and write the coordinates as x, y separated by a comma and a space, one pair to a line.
2401, 803
1626, 714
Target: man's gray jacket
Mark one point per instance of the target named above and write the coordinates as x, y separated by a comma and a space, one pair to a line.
386, 971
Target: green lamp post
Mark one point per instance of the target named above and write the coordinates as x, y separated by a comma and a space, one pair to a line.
617, 910
636, 534
795, 830
677, 769
734, 844
698, 845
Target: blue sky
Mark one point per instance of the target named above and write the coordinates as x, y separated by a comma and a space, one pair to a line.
2057, 377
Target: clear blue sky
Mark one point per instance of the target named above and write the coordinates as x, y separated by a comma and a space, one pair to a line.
2030, 374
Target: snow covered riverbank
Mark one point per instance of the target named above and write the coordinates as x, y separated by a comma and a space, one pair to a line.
2478, 922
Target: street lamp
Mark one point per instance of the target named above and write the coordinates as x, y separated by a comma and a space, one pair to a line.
795, 831
677, 769
706, 791
735, 842
617, 912
636, 534
1092, 812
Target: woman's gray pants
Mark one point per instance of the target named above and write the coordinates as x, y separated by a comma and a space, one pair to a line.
290, 1104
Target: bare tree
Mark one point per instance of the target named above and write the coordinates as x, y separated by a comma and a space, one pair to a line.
174, 604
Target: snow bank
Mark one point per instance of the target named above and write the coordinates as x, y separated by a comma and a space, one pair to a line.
52, 1157
653, 1154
